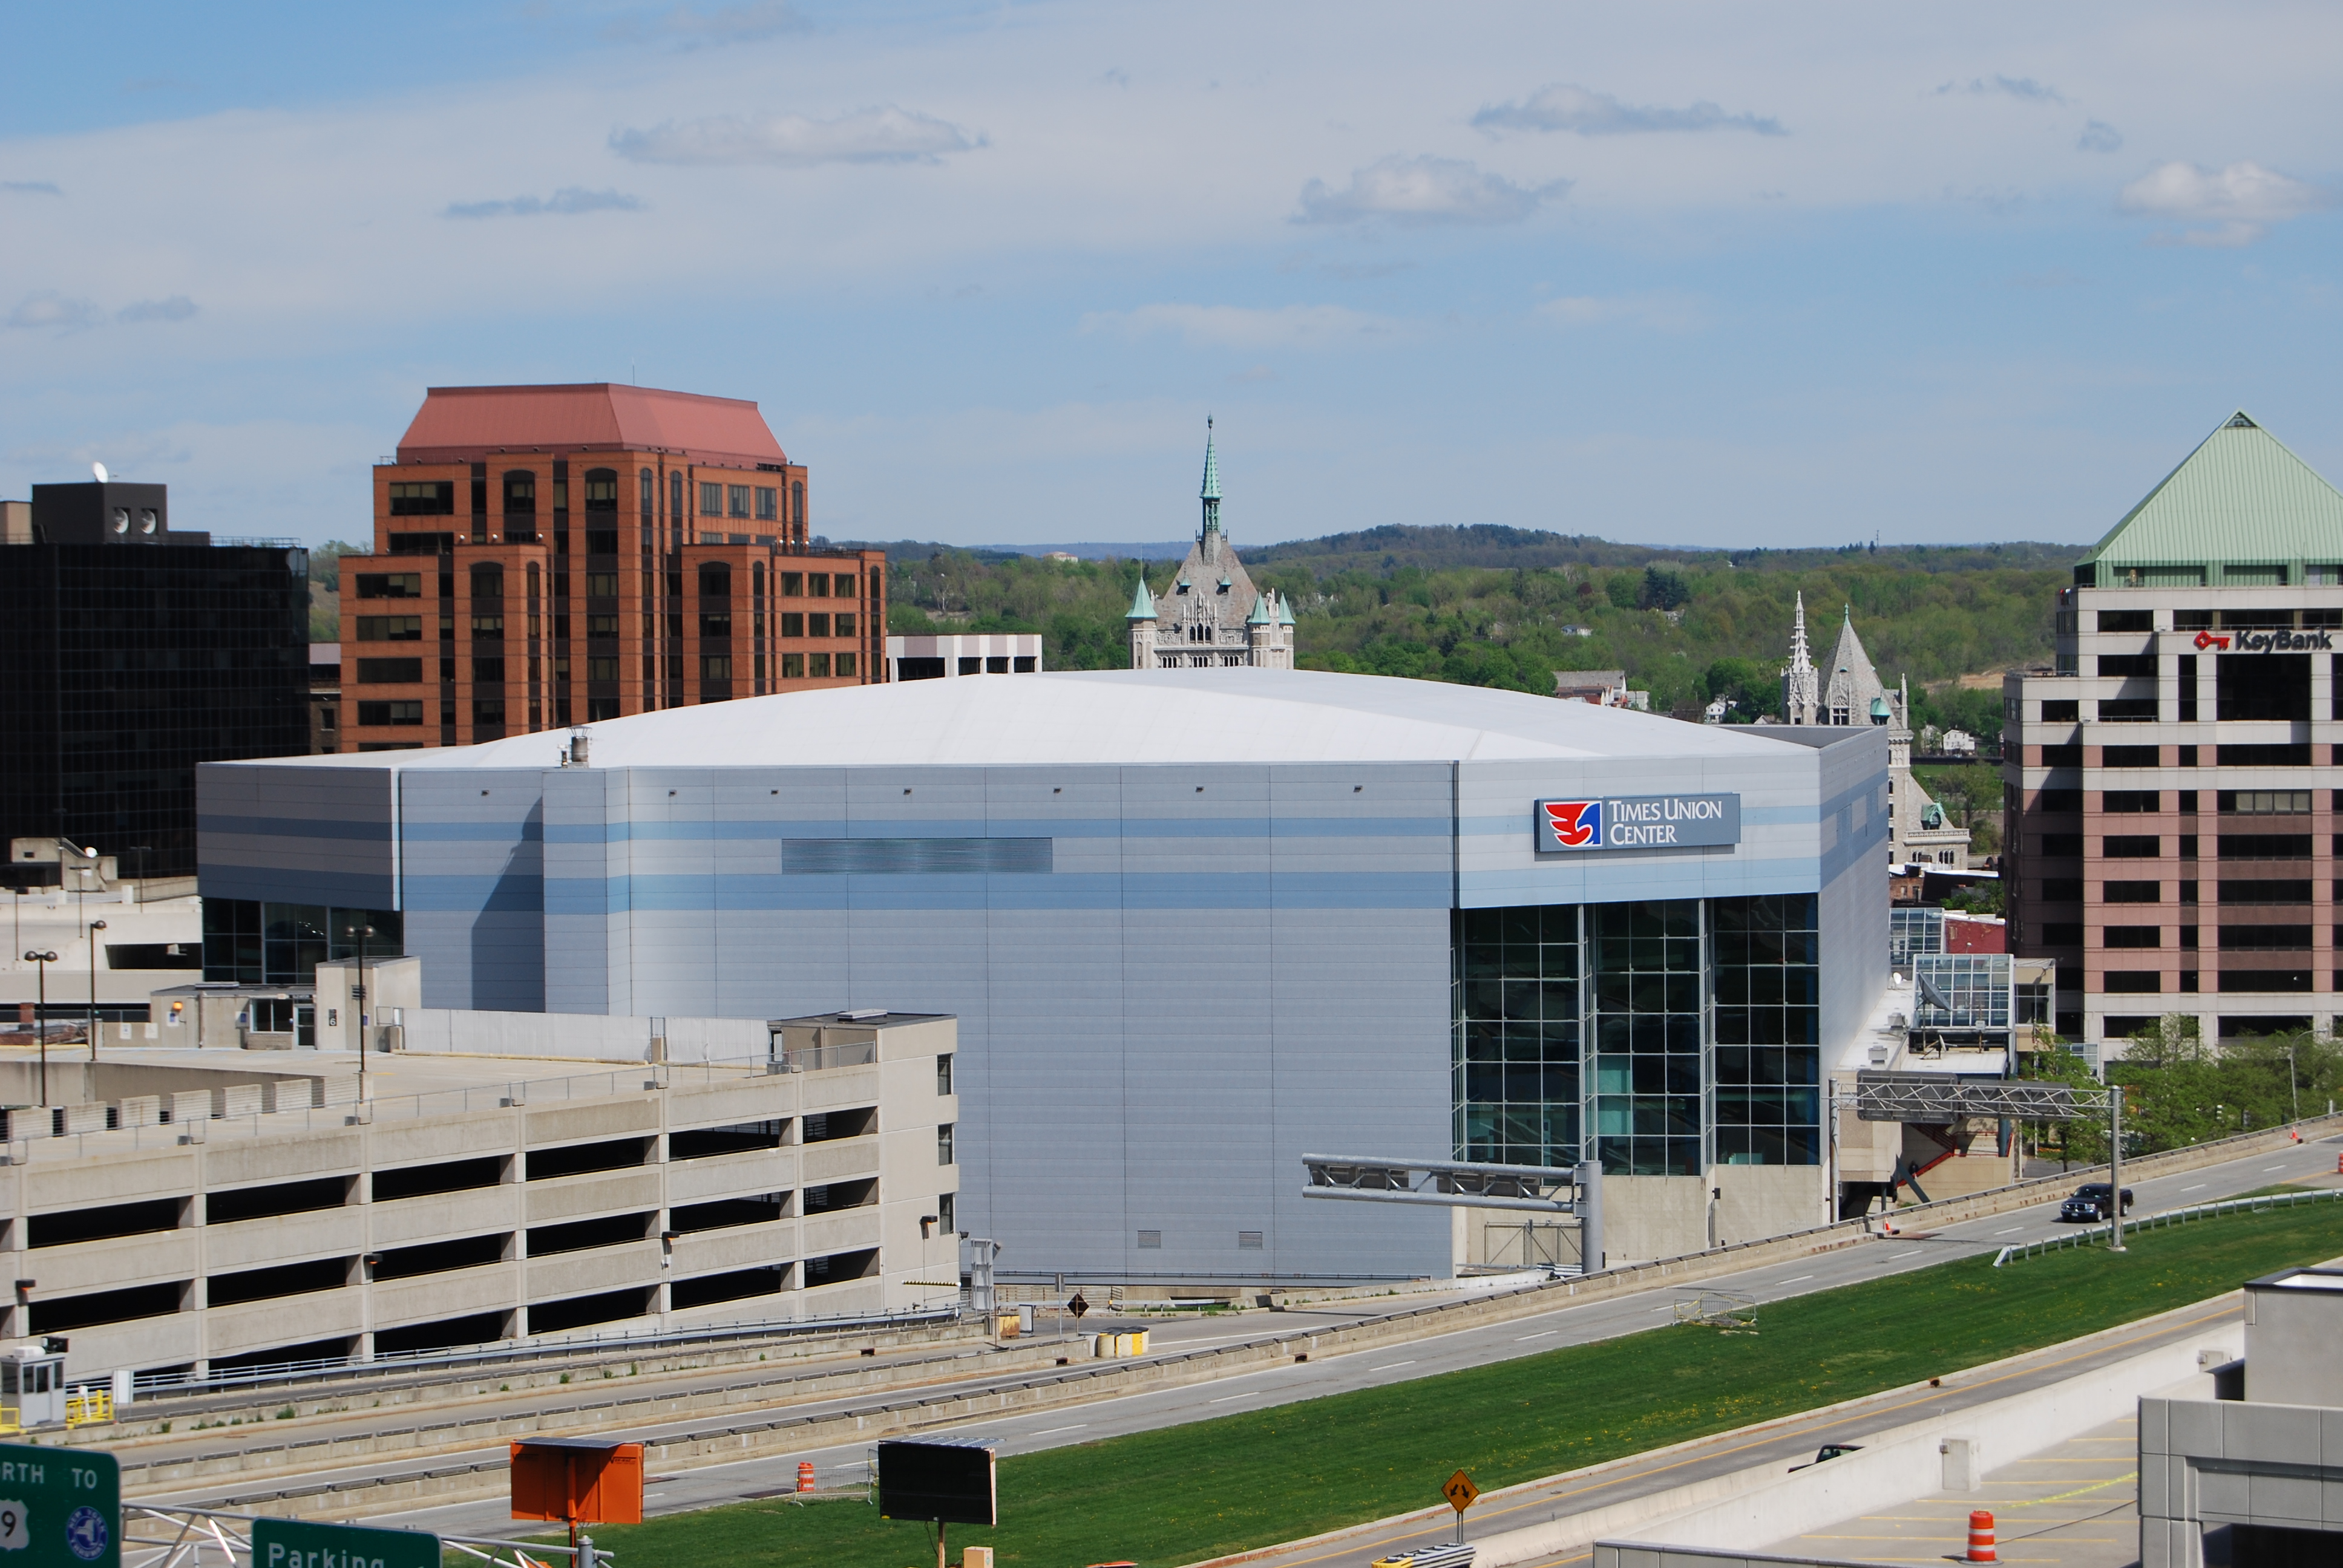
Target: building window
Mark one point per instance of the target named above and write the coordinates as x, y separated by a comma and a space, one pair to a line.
390, 672
820, 668
488, 711
1768, 1104
521, 492
714, 667
488, 671
1249, 1240
943, 1075
739, 501
602, 668
325, 716
649, 493
797, 499
256, 943
1515, 1043
711, 501
376, 715
845, 625
793, 666
817, 584
944, 1144
674, 496
792, 623
817, 625
768, 502
423, 498
391, 628
487, 629
390, 585
846, 585
1150, 1241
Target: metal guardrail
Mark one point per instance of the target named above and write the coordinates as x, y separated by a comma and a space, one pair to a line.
2019, 1252
392, 1363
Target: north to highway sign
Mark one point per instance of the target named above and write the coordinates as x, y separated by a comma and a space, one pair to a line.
291, 1544
60, 1508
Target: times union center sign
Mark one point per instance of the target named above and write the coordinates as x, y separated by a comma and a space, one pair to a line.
1636, 822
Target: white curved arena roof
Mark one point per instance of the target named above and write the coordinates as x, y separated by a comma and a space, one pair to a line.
1109, 718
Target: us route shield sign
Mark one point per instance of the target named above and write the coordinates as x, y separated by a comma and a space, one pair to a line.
60, 1508
1460, 1492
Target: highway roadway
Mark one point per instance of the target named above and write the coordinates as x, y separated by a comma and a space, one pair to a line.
1327, 1373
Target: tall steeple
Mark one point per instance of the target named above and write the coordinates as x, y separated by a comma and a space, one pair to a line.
1802, 692
1209, 536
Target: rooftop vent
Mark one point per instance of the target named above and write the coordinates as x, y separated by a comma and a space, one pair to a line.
861, 1015
2240, 422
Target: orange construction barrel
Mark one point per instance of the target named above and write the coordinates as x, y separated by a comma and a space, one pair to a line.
1981, 1537
805, 1475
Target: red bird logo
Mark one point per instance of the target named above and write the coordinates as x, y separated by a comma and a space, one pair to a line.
1577, 823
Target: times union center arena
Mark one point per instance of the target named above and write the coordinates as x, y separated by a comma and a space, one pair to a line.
1193, 924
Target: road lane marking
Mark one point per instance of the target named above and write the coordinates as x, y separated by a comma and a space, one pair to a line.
1800, 1279
1226, 1397
1546, 1335
2268, 1169
1055, 1430
1913, 1253
1394, 1367
2013, 1230
2199, 1187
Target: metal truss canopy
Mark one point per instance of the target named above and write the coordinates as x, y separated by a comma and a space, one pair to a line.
1453, 1183
1926, 1096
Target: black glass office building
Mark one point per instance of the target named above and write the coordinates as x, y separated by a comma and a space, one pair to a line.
131, 654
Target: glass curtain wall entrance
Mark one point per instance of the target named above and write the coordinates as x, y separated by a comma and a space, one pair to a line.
1702, 1019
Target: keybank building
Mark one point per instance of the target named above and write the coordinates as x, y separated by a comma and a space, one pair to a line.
1193, 923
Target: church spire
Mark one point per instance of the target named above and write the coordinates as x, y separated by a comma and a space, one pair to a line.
1211, 494
1801, 686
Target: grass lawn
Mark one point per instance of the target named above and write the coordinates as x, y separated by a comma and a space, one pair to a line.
1187, 1492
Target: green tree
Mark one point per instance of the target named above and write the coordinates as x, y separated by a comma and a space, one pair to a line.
1663, 589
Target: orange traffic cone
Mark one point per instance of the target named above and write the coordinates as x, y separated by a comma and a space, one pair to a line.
1981, 1537
805, 1475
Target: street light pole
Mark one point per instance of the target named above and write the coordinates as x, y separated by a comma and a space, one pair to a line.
40, 1016
94, 927
358, 1007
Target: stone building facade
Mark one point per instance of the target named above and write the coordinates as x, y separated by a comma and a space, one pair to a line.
1211, 616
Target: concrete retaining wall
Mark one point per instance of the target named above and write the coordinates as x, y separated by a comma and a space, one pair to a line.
571, 1036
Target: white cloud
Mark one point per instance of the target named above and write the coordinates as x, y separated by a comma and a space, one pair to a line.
53, 310
2023, 88
567, 199
1659, 312
2240, 202
2098, 137
30, 188
1425, 190
1238, 326
882, 135
179, 307
726, 24
1563, 106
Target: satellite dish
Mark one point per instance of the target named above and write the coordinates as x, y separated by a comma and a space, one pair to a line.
99, 469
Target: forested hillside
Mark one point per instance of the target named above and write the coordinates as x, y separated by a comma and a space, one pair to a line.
1497, 607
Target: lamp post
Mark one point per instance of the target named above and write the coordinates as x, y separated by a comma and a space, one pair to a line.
94, 927
141, 851
358, 1007
40, 1018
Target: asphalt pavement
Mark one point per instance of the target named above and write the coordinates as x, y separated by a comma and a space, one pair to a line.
1328, 1373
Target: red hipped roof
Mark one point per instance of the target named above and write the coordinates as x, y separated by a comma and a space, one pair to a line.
464, 424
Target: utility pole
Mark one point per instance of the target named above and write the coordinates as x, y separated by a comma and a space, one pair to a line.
94, 927
2115, 1166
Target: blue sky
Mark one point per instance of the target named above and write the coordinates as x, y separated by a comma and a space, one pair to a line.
1689, 273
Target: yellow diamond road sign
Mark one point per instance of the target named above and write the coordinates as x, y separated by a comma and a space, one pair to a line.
1460, 1492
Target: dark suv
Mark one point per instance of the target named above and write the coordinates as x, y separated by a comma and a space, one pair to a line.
2090, 1202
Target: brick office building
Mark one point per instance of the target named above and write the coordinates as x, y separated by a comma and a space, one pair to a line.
548, 555
2172, 785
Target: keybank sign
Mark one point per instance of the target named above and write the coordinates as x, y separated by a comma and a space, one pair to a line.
1636, 822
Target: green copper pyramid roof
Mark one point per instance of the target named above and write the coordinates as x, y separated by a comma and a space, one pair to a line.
1284, 610
1211, 490
1261, 616
2240, 497
1142, 603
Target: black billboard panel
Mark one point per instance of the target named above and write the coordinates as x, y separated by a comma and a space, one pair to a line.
946, 1483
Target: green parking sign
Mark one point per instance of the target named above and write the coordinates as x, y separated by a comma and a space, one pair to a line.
291, 1544
60, 1508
